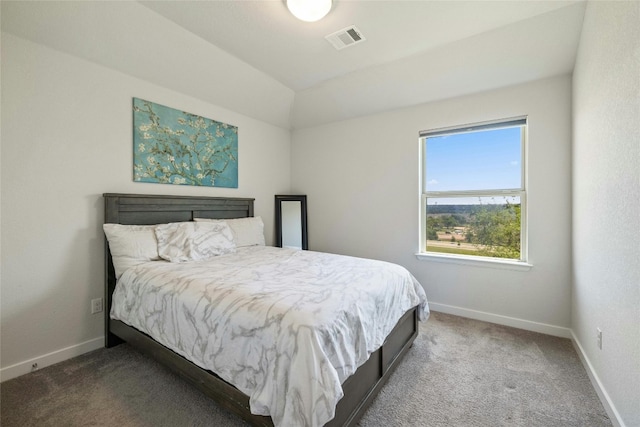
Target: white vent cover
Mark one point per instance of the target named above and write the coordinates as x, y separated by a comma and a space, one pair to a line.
345, 37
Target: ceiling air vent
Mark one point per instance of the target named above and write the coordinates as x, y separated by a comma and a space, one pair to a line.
345, 37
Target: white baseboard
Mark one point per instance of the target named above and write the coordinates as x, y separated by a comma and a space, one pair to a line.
52, 358
514, 322
613, 414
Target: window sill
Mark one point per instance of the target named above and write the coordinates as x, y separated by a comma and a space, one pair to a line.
502, 264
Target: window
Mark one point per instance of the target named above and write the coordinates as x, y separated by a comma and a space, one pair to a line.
473, 201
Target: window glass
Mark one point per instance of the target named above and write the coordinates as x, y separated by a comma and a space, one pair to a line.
473, 194
484, 160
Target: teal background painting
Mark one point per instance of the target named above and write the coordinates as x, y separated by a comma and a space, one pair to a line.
174, 147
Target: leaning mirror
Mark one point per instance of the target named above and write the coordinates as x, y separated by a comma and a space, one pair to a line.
291, 222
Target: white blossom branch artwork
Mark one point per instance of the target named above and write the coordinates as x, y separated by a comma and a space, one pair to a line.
174, 147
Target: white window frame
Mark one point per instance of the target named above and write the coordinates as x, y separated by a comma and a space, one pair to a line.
504, 263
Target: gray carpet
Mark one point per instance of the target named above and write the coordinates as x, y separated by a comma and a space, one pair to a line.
460, 372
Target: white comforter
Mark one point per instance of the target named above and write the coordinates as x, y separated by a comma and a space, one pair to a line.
285, 327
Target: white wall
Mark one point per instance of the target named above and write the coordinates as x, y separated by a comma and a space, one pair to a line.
66, 139
361, 178
606, 202
129, 37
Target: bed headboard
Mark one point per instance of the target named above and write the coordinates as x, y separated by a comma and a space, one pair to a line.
143, 209
146, 209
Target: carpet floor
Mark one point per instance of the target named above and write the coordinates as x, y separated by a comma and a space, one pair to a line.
459, 372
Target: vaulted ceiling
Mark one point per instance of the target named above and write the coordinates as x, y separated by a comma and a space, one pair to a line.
263, 62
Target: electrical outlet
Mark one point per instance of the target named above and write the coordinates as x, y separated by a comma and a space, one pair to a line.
599, 337
96, 305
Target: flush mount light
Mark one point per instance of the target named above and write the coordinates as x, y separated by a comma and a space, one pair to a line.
309, 10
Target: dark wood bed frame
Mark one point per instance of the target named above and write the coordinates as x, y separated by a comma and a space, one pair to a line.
359, 390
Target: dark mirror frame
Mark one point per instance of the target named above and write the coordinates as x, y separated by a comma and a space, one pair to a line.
303, 212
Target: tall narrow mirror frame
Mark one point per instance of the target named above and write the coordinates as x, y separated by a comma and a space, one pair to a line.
291, 222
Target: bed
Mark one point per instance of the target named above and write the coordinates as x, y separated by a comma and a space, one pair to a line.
359, 388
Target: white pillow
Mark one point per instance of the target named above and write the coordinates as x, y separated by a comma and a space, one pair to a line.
131, 245
194, 241
248, 231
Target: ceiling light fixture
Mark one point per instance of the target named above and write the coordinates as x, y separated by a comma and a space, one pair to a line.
309, 10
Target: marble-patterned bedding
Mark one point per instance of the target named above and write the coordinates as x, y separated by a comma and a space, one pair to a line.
285, 327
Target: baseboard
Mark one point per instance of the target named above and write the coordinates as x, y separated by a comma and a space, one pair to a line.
613, 414
514, 322
52, 358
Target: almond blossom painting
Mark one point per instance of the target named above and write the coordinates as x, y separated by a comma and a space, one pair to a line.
175, 147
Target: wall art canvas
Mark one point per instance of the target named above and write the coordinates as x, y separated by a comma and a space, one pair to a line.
174, 147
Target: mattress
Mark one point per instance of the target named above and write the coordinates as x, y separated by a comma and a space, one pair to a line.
285, 327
